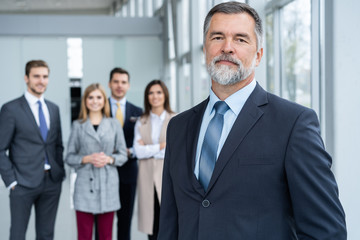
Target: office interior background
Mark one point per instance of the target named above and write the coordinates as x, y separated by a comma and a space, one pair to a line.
310, 57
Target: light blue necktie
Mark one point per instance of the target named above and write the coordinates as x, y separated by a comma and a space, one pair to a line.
210, 145
43, 127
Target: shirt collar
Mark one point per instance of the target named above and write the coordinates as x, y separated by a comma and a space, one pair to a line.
235, 101
162, 115
114, 101
32, 100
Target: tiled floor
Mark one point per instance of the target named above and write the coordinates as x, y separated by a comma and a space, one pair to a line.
65, 228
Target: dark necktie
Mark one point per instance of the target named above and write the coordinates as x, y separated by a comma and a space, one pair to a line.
211, 143
43, 127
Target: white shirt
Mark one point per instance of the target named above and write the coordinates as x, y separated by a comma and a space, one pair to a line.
34, 106
114, 107
153, 150
235, 102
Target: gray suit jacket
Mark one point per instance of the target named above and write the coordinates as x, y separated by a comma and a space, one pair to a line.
21, 137
96, 189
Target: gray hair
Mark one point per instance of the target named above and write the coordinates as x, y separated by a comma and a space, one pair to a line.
235, 8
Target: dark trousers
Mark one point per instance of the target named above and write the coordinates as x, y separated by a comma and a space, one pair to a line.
85, 222
124, 215
154, 236
45, 198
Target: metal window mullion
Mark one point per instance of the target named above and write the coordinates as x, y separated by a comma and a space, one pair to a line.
277, 53
179, 51
195, 52
315, 56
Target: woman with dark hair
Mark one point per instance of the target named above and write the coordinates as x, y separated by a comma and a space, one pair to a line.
96, 146
149, 146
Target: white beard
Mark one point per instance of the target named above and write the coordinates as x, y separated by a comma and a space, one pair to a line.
224, 74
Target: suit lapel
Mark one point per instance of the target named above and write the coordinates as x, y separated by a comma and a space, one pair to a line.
89, 129
193, 129
52, 119
25, 106
246, 120
127, 114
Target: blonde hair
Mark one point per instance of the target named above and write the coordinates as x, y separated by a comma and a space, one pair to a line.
84, 111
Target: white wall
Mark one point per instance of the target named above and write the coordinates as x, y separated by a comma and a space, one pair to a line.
140, 56
347, 110
16, 51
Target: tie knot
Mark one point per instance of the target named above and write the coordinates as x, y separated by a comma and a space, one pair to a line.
39, 103
118, 104
221, 107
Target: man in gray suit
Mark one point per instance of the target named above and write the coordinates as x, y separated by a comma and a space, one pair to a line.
31, 155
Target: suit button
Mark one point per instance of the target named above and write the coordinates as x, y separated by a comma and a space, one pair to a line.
205, 203
91, 191
91, 179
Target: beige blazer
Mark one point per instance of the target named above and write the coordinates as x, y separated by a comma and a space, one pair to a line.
150, 176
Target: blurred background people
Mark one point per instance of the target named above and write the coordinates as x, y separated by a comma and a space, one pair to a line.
31, 155
96, 146
149, 146
127, 114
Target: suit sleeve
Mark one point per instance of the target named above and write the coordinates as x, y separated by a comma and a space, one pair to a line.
168, 211
120, 154
7, 131
59, 144
313, 190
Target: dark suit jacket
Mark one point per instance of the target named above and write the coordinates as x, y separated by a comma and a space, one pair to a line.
272, 179
128, 172
21, 136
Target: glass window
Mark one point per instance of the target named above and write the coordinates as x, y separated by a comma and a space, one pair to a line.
185, 87
132, 8
205, 80
296, 51
140, 8
202, 14
185, 17
75, 60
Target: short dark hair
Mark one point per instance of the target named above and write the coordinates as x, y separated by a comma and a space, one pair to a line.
119, 70
34, 64
147, 105
235, 8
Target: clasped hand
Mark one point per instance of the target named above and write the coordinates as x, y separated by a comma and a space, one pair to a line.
99, 160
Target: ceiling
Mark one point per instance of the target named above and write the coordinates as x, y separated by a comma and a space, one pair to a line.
98, 7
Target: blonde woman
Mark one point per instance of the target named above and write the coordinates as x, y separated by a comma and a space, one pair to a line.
149, 146
96, 146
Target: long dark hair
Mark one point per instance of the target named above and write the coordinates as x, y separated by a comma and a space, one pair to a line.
147, 105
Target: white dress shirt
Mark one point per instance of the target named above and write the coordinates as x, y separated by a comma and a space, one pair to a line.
235, 102
153, 150
34, 106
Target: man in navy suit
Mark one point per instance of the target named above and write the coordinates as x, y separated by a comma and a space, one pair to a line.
266, 175
31, 155
128, 113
